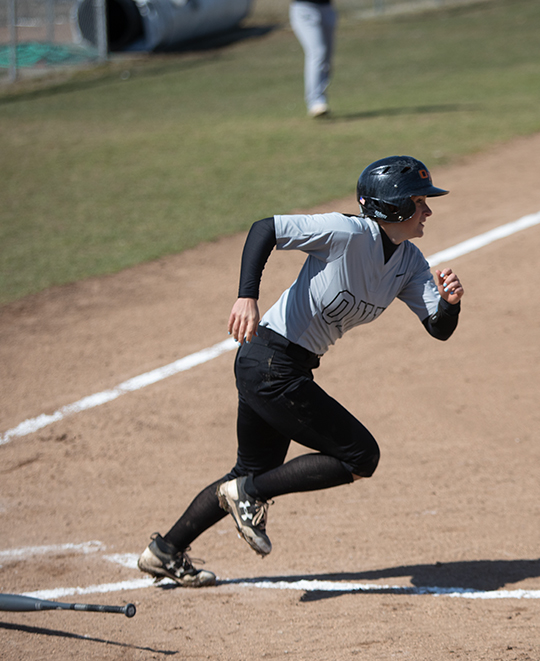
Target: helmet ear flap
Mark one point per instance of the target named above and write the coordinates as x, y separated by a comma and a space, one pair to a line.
406, 210
387, 212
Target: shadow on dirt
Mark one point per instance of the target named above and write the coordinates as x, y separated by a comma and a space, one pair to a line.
41, 631
467, 576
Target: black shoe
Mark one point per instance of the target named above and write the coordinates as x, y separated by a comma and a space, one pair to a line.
161, 560
249, 514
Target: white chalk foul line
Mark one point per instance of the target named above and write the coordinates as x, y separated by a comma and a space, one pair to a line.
304, 585
58, 593
136, 383
129, 560
485, 239
27, 551
307, 585
34, 424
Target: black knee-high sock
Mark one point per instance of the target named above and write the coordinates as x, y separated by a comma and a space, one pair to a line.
309, 472
203, 512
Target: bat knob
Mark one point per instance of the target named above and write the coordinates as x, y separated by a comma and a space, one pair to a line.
130, 610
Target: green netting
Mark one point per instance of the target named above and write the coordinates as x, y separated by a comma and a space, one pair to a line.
33, 53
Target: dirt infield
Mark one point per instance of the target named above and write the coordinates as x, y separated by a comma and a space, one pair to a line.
405, 565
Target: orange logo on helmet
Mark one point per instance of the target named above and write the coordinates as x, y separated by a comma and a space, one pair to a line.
424, 174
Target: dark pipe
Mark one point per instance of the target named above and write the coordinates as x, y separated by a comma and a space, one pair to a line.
124, 23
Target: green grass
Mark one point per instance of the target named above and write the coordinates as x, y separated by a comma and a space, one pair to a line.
101, 173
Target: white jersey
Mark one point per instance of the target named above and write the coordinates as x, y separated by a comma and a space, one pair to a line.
344, 282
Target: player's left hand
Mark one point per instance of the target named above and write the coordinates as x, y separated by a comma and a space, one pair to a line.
450, 288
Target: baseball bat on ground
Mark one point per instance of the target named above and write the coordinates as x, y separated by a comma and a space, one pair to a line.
18, 602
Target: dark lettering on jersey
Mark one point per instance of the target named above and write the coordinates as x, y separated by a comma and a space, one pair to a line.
339, 308
364, 310
343, 310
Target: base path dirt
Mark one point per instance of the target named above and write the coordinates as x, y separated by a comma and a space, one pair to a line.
437, 557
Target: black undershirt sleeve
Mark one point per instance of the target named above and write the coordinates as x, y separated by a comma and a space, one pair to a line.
443, 323
260, 242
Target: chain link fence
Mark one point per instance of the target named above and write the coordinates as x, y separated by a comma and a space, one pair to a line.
37, 35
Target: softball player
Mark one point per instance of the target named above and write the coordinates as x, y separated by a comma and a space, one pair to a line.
355, 267
314, 25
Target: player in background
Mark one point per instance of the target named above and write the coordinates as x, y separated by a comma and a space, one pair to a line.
355, 267
314, 24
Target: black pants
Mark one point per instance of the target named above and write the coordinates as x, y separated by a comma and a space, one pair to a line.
279, 402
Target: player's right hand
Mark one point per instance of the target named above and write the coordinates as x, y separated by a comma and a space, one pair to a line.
244, 319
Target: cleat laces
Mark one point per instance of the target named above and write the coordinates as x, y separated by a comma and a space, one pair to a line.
182, 564
261, 515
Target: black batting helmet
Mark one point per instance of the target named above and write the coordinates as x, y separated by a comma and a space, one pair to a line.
385, 188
